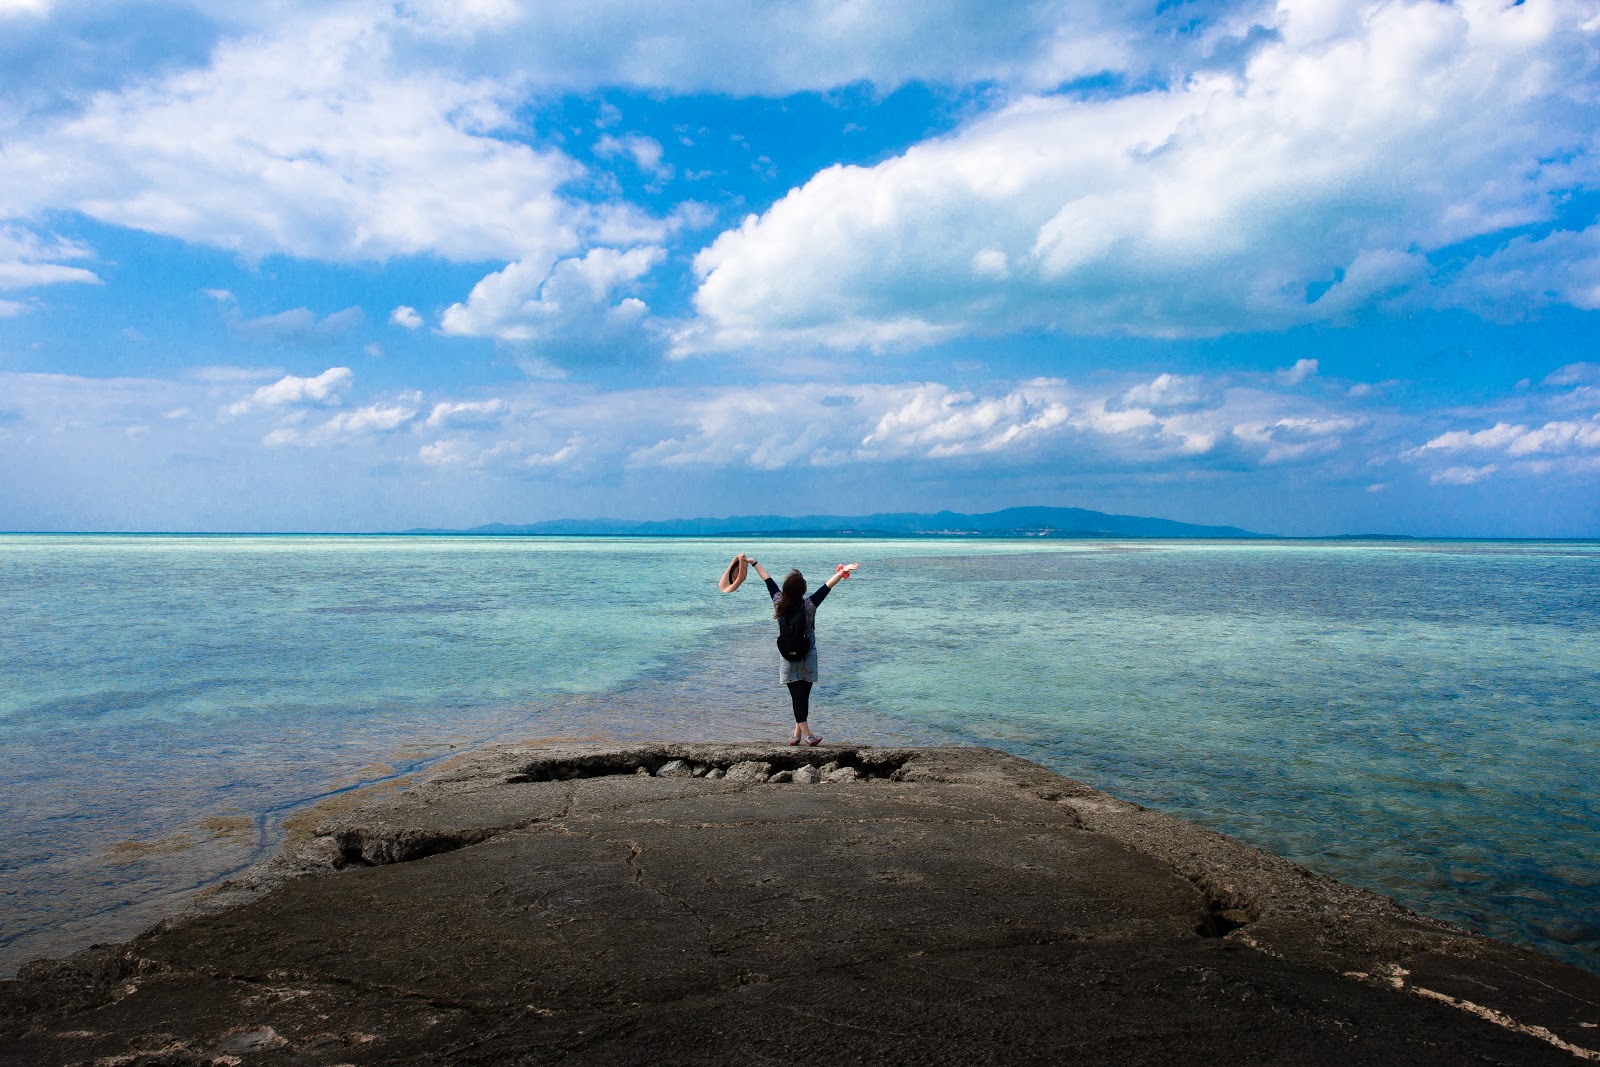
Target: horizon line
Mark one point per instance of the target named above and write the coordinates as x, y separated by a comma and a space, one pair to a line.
799, 535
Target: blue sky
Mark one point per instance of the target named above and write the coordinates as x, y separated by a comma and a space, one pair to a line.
1310, 267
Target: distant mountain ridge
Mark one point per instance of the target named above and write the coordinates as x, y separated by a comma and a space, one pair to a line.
1009, 522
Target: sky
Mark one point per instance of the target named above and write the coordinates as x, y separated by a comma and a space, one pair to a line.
1313, 267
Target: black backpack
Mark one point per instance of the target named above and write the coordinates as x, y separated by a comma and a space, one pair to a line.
793, 641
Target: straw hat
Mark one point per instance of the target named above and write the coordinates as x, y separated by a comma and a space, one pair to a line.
734, 576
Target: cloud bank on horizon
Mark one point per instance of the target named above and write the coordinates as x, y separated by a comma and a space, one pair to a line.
1316, 266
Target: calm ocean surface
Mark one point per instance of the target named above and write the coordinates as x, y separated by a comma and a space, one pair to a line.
1422, 718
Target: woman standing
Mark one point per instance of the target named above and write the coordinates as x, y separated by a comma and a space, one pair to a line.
799, 674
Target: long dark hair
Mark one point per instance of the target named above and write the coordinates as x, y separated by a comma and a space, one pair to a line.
789, 597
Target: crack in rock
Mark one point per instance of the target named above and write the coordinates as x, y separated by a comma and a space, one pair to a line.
635, 850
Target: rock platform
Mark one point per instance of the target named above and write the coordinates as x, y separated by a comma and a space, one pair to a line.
752, 904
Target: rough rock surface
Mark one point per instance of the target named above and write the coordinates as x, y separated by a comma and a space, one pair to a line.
551, 904
749, 771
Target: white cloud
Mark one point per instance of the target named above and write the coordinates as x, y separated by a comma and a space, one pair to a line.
1529, 273
347, 426
1463, 475
317, 141
467, 413
230, 375
1307, 187
375, 418
406, 318
28, 260
462, 17
990, 263
70, 447
1296, 437
497, 300
939, 422
1040, 420
692, 215
645, 152
1497, 436
1302, 369
569, 308
15, 8
560, 457
1552, 431
1575, 374
300, 326
447, 453
757, 47
1556, 437
326, 388
1168, 393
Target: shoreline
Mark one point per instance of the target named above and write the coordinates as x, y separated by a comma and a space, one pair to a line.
930, 821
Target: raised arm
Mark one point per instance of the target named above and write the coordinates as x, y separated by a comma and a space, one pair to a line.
761, 571
841, 575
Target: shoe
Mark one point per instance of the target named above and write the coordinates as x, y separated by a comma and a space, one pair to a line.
795, 740
814, 740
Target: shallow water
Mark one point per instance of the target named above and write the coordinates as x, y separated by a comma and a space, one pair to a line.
1417, 717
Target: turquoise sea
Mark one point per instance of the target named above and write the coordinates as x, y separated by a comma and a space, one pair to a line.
1422, 718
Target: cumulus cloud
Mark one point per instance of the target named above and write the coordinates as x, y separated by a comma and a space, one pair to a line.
1555, 437
348, 425
1302, 369
313, 141
1317, 182
326, 388
1042, 420
406, 318
1169, 393
940, 422
1497, 436
1041, 427
447, 453
1296, 437
566, 309
1558, 432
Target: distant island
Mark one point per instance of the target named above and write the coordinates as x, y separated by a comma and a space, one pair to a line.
1010, 522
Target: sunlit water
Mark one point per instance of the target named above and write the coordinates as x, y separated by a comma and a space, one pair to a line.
1420, 718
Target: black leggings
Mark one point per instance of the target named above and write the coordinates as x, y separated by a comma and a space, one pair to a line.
800, 694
